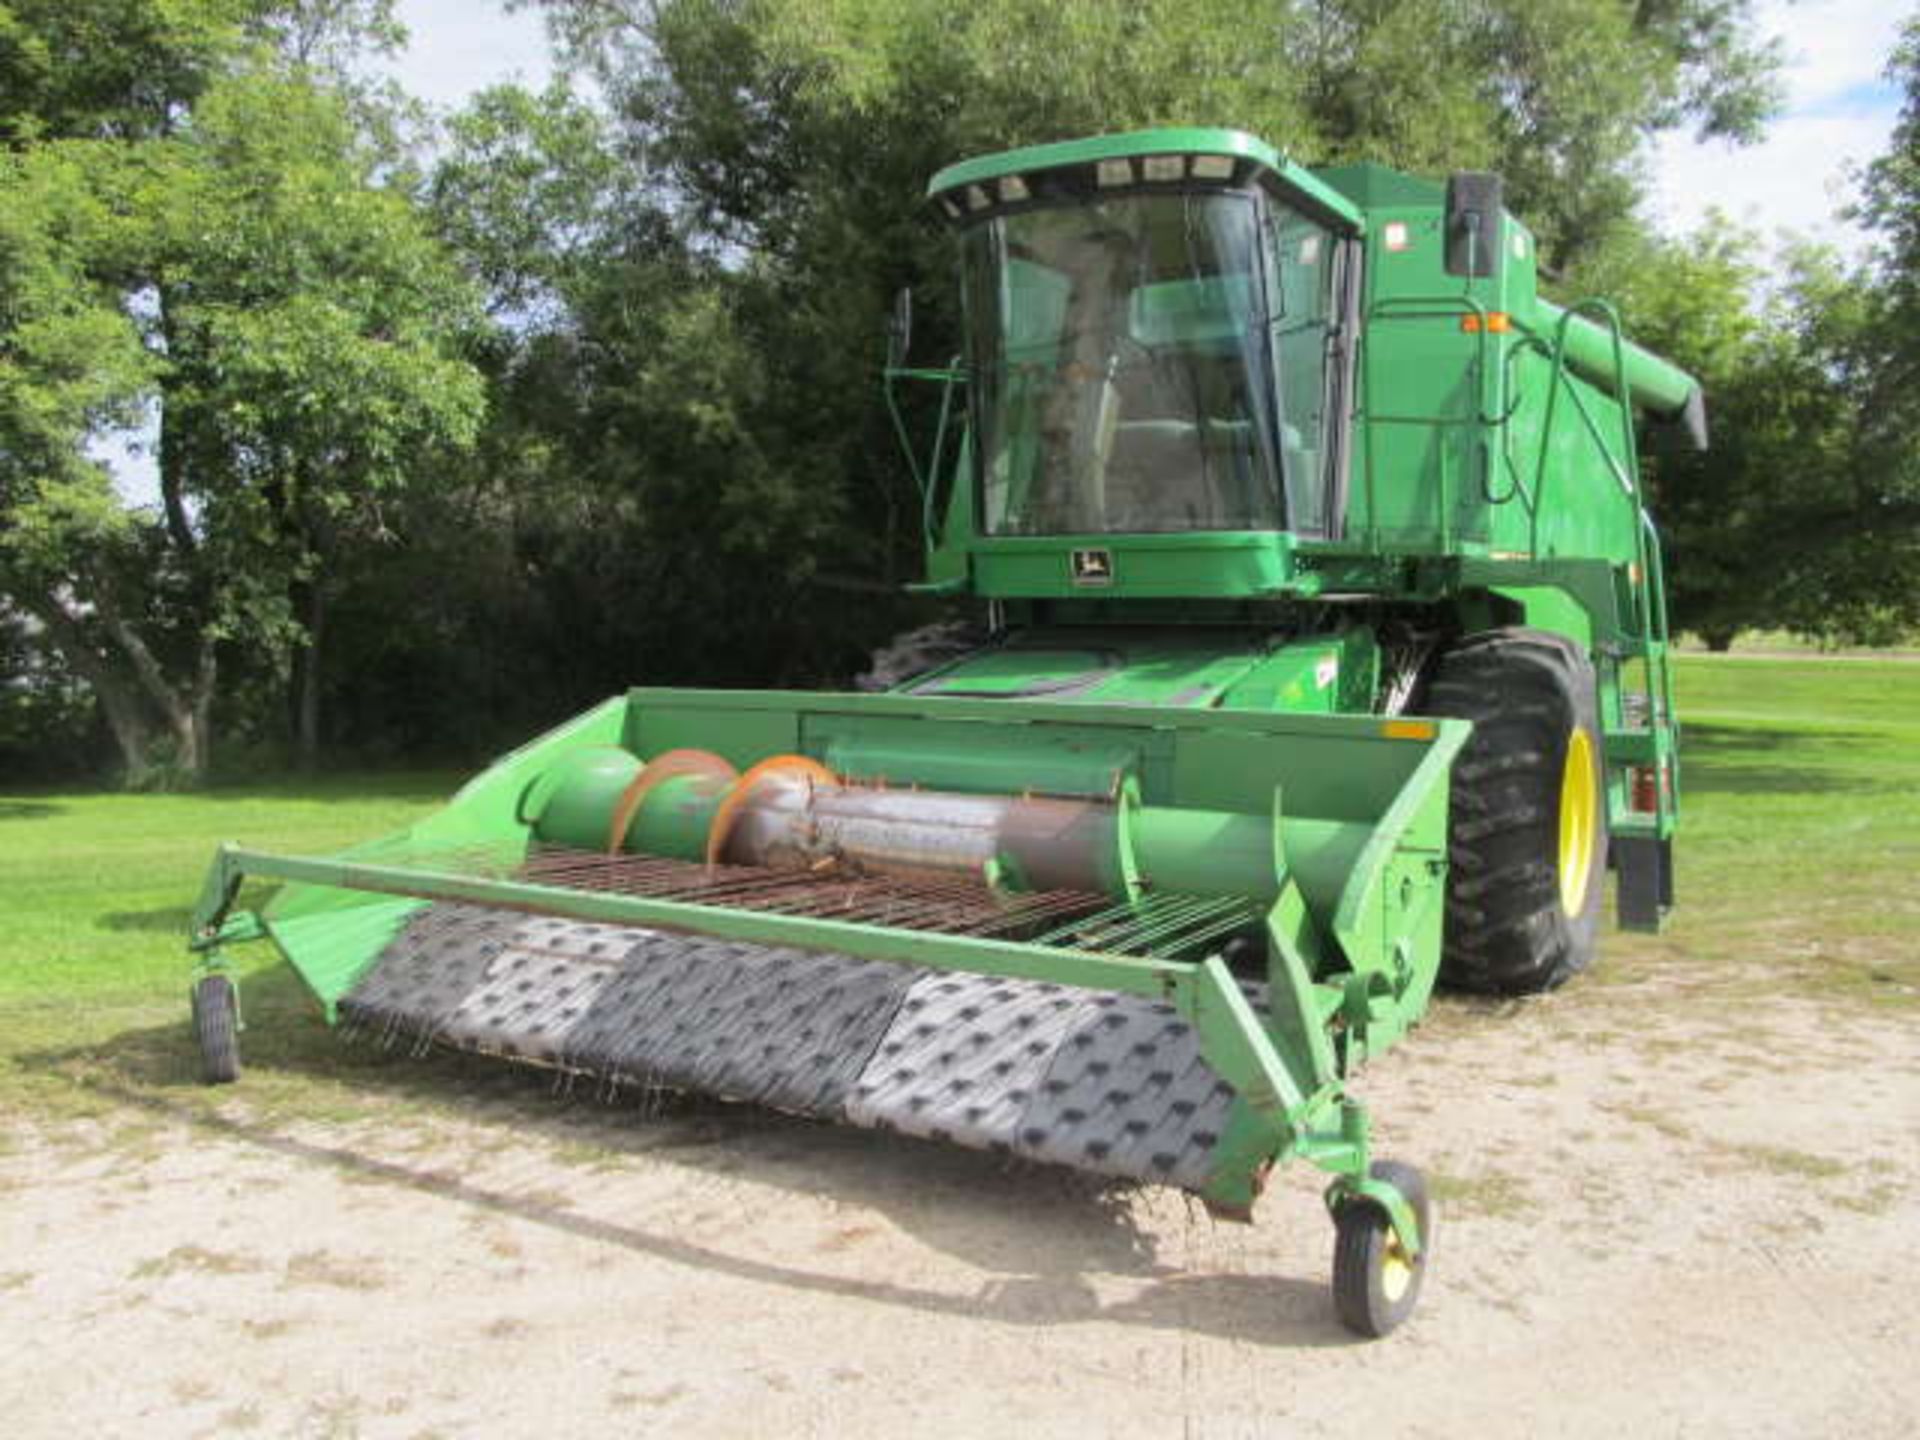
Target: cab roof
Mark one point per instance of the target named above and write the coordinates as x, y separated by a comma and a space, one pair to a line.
1263, 164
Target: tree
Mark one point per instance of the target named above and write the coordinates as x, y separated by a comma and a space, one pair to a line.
311, 328
71, 363
1879, 591
767, 110
216, 243
1806, 513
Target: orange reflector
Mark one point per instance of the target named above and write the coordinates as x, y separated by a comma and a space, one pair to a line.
1408, 730
1498, 323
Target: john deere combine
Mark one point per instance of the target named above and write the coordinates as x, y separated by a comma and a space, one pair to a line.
1324, 656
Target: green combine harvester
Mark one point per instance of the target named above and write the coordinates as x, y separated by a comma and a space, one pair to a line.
1323, 657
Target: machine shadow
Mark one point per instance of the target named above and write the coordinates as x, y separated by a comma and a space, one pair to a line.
162, 920
1037, 1231
1738, 760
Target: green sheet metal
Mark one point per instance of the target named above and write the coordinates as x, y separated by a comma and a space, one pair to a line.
1306, 186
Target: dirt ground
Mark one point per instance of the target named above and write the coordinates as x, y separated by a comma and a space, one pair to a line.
1648, 1228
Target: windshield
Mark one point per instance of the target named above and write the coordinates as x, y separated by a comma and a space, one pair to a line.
1123, 367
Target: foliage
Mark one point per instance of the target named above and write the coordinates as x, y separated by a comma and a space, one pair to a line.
1882, 355
46, 710
446, 449
203, 234
1806, 512
788, 142
767, 111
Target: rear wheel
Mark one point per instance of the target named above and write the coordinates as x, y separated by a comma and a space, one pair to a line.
216, 1025
1527, 837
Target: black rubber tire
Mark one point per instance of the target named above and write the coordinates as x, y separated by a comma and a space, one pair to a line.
1368, 1304
216, 1024
1508, 931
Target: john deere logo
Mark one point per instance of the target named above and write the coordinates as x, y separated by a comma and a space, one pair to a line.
1093, 567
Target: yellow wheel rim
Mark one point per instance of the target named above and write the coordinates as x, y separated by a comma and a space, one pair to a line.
1579, 816
1396, 1270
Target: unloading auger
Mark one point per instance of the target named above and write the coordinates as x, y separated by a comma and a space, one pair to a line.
1314, 672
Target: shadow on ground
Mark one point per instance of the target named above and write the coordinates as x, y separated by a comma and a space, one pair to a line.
1742, 760
1038, 1231
164, 919
423, 787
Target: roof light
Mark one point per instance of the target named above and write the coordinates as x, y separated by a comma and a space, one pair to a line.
1213, 167
1115, 172
1161, 168
977, 198
1012, 188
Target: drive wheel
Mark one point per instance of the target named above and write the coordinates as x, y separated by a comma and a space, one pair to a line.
1527, 836
1376, 1283
216, 1024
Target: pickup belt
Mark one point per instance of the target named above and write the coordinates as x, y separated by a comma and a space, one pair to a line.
1098, 1081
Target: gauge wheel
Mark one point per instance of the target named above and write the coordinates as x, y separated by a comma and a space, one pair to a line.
1376, 1283
216, 1025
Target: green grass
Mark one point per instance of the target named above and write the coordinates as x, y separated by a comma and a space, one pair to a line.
97, 888
1800, 833
1800, 845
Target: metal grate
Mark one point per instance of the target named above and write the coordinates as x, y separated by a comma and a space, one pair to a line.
1167, 926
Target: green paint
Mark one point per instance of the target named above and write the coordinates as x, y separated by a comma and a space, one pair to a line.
1226, 432
1466, 467
1270, 162
1210, 802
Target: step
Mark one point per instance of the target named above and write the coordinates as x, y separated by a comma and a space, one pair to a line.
1635, 746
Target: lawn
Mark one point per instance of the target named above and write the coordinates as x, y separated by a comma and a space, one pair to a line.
1797, 870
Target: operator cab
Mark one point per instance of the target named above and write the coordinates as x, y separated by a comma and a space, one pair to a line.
1156, 343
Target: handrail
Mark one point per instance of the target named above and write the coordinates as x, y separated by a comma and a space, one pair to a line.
1518, 486
1624, 470
1647, 579
926, 483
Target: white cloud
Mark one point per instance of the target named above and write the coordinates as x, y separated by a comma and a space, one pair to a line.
1838, 116
460, 46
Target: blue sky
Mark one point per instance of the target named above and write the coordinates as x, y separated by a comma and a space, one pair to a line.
1839, 110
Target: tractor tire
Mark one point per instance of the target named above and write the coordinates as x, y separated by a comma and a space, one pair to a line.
1527, 828
216, 1025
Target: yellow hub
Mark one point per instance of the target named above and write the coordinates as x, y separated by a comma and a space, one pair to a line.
1396, 1269
1579, 822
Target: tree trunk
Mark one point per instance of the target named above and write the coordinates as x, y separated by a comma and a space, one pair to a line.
200, 707
131, 732
186, 712
306, 676
1719, 638
127, 719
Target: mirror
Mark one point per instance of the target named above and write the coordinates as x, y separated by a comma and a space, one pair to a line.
1474, 205
900, 328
